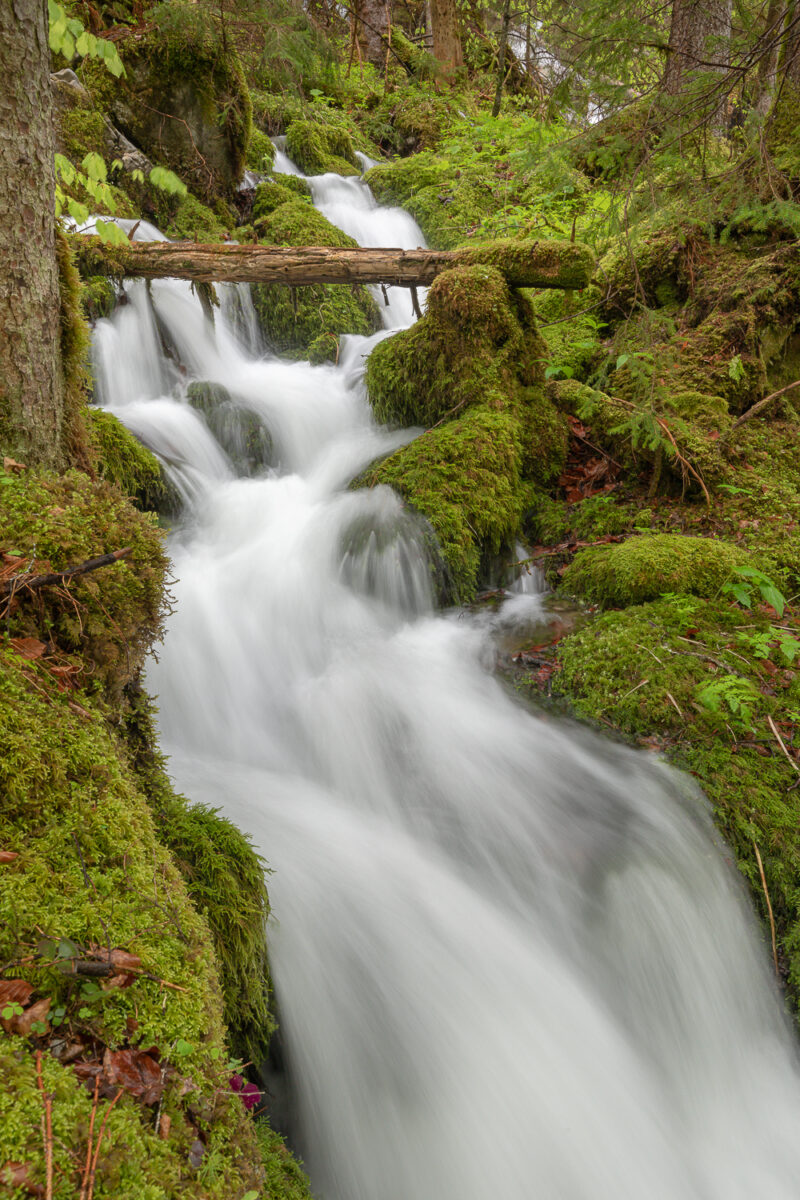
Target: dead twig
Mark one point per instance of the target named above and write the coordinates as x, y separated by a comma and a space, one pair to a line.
47, 1129
32, 583
782, 744
769, 910
87, 1167
96, 1155
761, 405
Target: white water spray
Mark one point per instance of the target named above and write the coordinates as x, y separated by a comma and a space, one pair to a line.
510, 959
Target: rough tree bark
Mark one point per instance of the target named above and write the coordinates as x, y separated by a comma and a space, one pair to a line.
446, 40
554, 264
372, 31
31, 386
699, 38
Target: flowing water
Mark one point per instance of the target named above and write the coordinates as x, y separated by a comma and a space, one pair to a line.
511, 959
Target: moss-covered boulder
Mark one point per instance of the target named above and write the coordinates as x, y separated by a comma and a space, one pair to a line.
307, 321
680, 673
644, 568
183, 99
124, 461
260, 151
318, 149
237, 429
471, 371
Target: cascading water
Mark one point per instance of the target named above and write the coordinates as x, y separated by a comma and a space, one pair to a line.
510, 959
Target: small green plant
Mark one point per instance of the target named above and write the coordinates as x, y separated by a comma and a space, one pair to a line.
10, 1010
764, 643
743, 583
68, 38
735, 369
732, 490
730, 697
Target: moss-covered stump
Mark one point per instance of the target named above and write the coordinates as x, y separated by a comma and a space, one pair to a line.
319, 149
645, 567
471, 368
307, 321
699, 679
183, 99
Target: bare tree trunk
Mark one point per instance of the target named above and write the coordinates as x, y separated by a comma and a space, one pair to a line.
446, 40
501, 58
699, 41
31, 386
767, 75
372, 31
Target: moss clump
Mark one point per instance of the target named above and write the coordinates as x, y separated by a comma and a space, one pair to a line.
464, 477
98, 297
125, 462
74, 348
260, 152
645, 567
476, 335
91, 871
273, 112
318, 149
194, 221
295, 320
661, 671
472, 368
270, 194
52, 522
447, 208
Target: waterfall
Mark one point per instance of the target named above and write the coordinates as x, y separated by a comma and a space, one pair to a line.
511, 959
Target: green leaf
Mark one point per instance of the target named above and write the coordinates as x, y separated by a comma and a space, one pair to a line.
111, 234
95, 167
621, 360
771, 595
183, 1049
168, 181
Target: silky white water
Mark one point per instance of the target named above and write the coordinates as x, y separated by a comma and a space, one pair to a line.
511, 960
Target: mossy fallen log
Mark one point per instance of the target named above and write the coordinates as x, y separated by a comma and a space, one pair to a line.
538, 264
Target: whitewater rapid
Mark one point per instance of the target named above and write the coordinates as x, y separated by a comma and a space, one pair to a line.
511, 960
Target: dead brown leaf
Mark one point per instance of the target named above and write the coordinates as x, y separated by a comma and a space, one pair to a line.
15, 991
23, 1025
11, 464
8, 856
28, 647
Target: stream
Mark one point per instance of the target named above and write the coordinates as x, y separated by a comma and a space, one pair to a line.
512, 960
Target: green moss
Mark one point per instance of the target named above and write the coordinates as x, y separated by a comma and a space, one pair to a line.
295, 184
124, 461
57, 521
270, 194
260, 152
274, 112
194, 221
98, 297
285, 1177
74, 350
646, 669
476, 335
645, 567
318, 149
295, 319
464, 477
471, 367
571, 335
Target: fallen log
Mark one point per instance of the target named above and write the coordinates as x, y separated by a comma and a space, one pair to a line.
535, 264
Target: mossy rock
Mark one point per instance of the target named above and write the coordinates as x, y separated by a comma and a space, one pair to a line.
260, 152
447, 206
238, 430
180, 68
294, 320
476, 334
124, 461
643, 568
93, 869
53, 522
636, 669
464, 478
270, 194
318, 149
472, 368
273, 112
